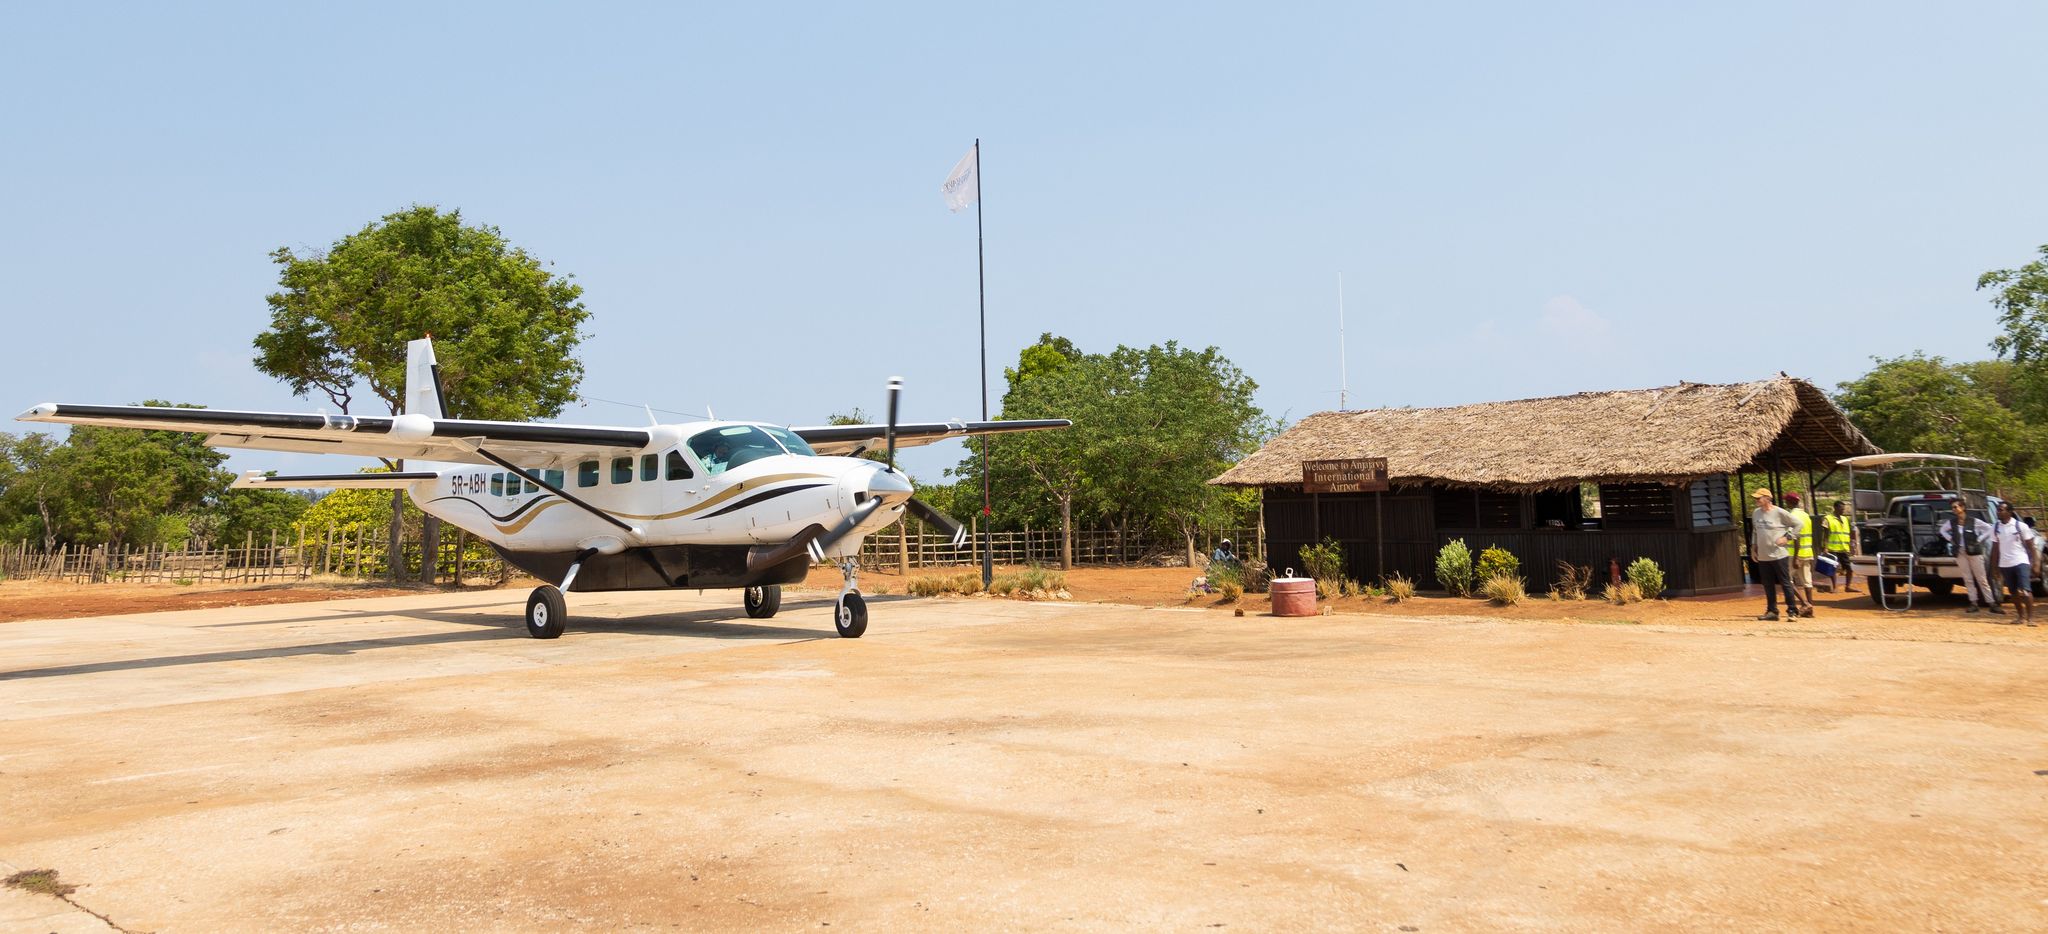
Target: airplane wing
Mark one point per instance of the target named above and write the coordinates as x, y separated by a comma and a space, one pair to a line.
391, 436
389, 480
840, 439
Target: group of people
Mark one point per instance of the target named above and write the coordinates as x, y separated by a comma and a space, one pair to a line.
1992, 555
1989, 555
1781, 551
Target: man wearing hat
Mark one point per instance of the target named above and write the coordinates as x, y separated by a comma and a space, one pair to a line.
1223, 553
1802, 555
1772, 533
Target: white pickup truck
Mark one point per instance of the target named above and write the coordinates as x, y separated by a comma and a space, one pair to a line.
1899, 502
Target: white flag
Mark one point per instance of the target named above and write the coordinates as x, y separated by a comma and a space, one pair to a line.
964, 185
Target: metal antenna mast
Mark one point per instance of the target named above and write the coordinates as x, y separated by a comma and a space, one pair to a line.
1343, 365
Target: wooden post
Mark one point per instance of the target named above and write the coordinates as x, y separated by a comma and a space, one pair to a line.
903, 547
461, 547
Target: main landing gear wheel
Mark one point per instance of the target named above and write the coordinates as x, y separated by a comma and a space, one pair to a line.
850, 615
762, 602
547, 614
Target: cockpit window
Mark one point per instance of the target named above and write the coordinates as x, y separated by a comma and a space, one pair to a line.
790, 441
731, 446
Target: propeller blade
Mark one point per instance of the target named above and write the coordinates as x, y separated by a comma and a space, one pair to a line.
895, 392
824, 543
953, 529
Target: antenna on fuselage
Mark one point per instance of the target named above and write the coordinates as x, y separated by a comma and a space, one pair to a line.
708, 415
651, 421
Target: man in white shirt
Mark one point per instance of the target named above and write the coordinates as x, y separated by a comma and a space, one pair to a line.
2015, 552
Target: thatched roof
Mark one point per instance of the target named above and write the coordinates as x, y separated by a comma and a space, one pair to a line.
1672, 434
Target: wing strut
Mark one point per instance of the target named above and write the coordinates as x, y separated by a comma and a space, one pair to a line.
558, 491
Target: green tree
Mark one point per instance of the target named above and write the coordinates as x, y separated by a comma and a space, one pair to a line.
125, 486
1922, 403
236, 516
32, 491
1151, 426
505, 327
1179, 417
2022, 303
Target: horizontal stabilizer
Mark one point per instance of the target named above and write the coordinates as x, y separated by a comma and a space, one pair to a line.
256, 480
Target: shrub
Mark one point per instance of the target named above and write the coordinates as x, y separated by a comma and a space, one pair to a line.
1574, 581
1503, 590
1454, 568
961, 582
1033, 583
1324, 562
1647, 576
1231, 591
1496, 561
1400, 588
1254, 575
1624, 592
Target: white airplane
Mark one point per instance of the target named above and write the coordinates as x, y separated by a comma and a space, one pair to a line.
699, 506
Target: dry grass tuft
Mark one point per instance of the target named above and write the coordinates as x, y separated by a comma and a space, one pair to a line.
960, 582
1624, 593
41, 882
1400, 588
1503, 590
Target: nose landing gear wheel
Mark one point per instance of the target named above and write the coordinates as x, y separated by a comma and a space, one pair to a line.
850, 615
547, 614
762, 602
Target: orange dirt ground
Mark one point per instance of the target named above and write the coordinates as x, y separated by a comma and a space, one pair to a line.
21, 600
1850, 613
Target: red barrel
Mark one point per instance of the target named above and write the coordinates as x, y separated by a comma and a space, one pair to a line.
1294, 596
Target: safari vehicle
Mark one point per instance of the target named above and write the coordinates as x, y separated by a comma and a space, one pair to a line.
1899, 502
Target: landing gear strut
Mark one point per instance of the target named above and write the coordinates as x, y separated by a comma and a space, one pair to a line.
547, 613
850, 612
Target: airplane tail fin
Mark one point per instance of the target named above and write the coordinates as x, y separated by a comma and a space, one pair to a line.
422, 380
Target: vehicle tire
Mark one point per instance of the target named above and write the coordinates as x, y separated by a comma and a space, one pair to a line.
850, 616
762, 602
1943, 589
547, 614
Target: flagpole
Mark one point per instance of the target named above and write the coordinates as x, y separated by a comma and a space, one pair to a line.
988, 561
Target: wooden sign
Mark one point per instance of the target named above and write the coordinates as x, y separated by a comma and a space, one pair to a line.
1351, 475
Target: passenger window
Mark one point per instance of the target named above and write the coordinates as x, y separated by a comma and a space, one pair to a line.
678, 468
526, 486
650, 467
497, 484
622, 470
586, 473
553, 477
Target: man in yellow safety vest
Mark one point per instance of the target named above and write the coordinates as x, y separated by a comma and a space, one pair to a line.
1802, 555
1839, 526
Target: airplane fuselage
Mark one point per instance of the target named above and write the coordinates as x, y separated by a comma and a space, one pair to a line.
666, 494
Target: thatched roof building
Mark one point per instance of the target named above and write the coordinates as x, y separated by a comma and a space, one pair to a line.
1669, 435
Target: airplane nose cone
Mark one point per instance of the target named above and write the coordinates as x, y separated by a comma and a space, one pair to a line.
886, 482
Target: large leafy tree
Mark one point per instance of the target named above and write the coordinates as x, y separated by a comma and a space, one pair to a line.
32, 493
505, 328
2021, 298
1922, 403
1151, 426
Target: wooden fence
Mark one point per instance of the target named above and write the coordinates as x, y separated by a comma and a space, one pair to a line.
363, 555
928, 549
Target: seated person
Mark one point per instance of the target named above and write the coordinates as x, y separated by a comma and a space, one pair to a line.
719, 458
1224, 554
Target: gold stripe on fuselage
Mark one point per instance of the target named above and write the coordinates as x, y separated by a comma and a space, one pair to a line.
743, 486
728, 493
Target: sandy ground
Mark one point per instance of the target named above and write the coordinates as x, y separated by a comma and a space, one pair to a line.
417, 762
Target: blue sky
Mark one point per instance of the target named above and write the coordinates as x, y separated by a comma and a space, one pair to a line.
1524, 199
